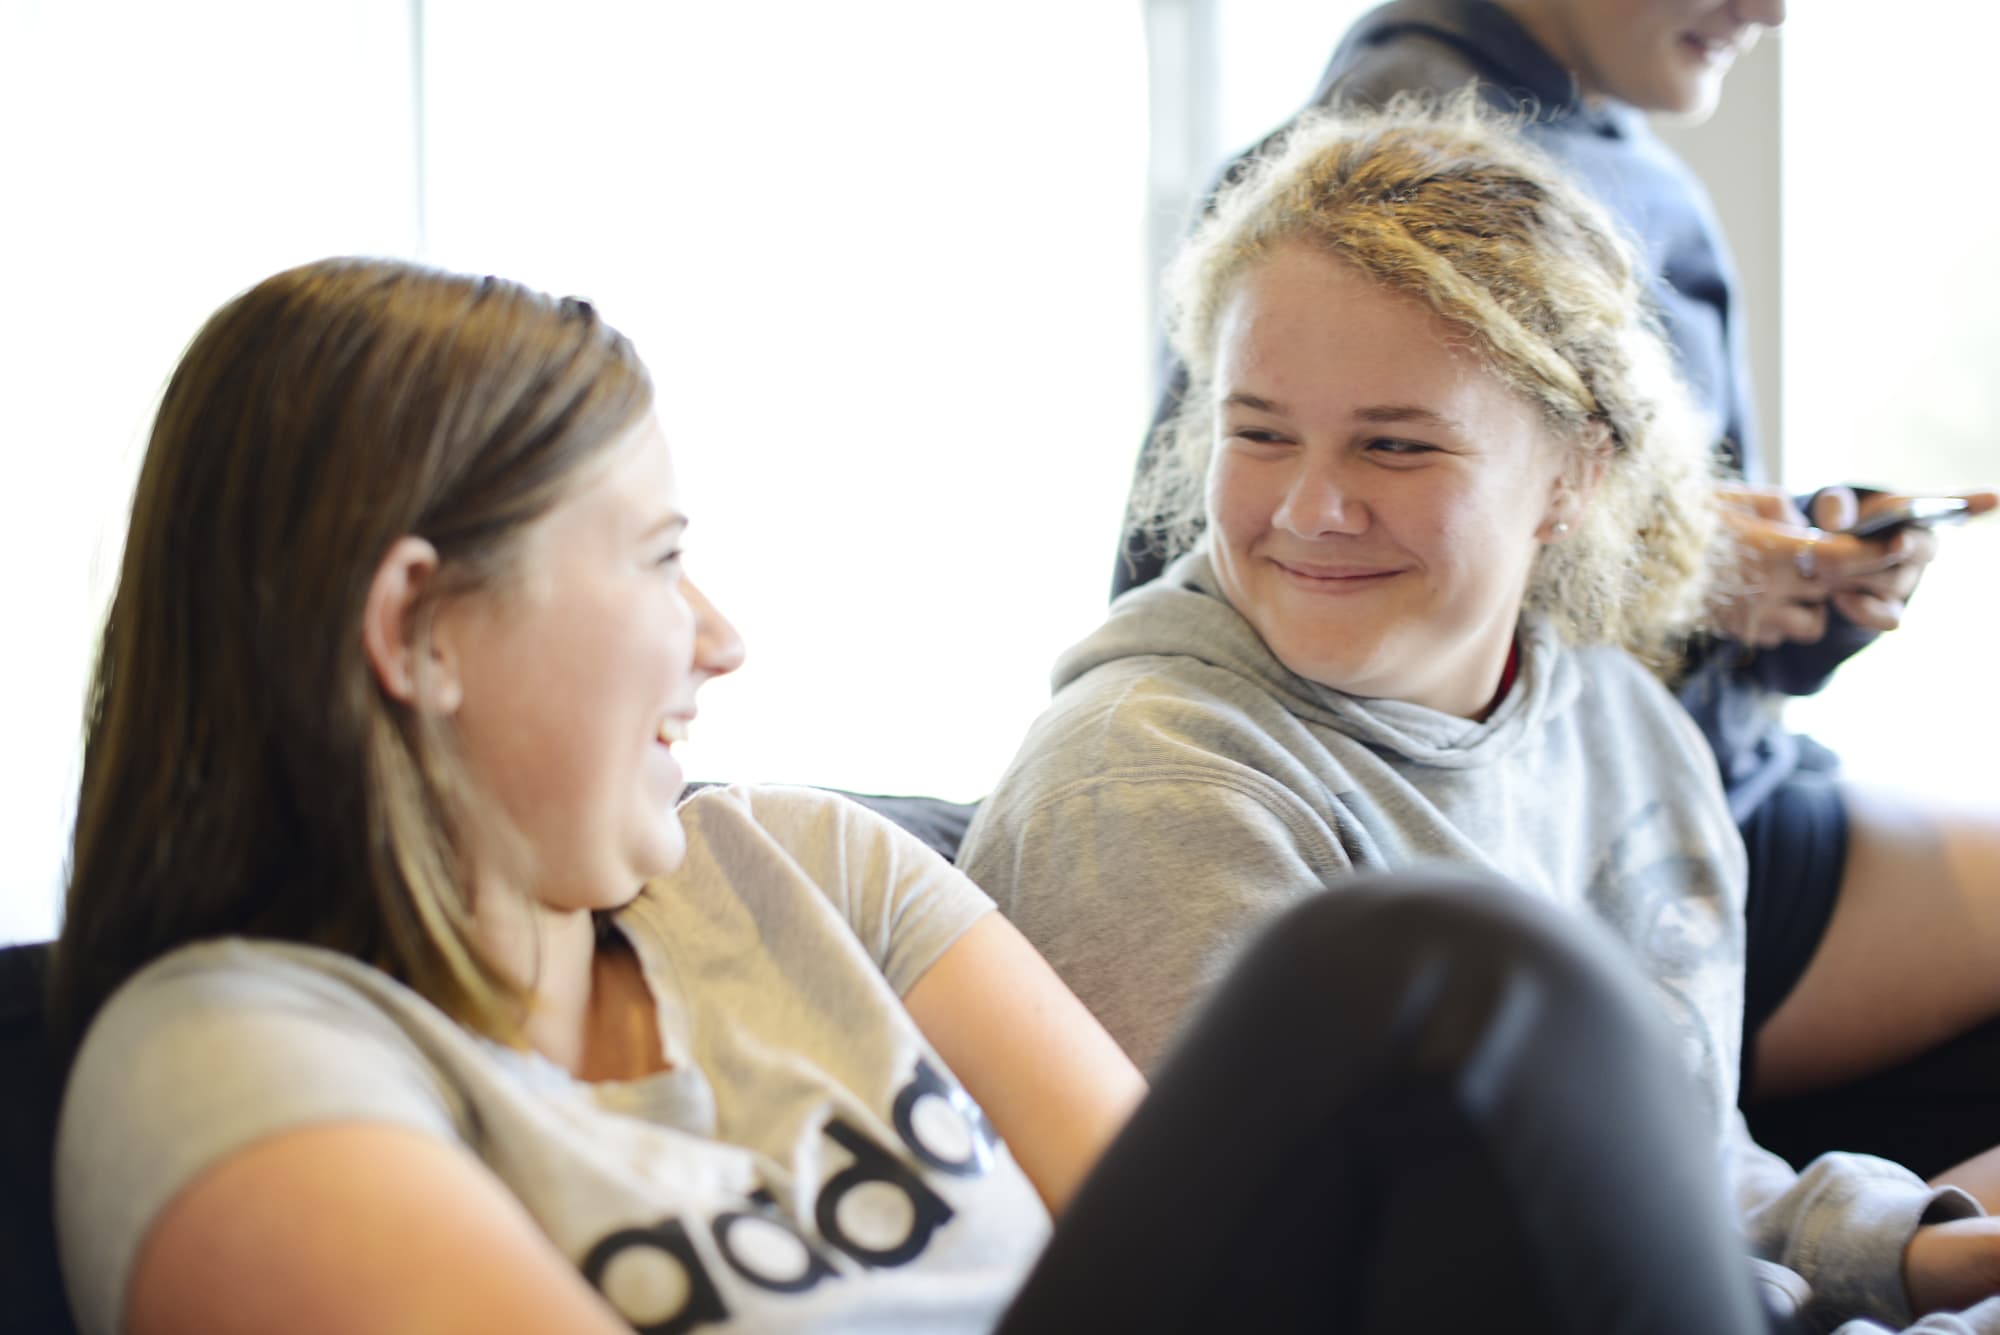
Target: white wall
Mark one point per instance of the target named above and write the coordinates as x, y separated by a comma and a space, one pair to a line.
885, 258
828, 228
1892, 324
158, 158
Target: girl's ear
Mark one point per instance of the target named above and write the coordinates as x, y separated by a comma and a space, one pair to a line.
415, 669
1570, 494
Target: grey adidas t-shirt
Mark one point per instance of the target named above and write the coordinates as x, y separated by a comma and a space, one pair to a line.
807, 1164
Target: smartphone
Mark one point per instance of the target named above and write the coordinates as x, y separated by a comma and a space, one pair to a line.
1922, 511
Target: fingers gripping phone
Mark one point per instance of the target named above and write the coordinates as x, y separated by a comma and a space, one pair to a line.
1919, 511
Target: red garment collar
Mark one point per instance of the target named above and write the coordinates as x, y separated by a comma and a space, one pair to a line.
1507, 674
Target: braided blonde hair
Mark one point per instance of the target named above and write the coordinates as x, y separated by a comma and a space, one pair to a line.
1441, 201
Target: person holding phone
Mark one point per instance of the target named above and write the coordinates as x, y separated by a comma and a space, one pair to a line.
1857, 893
1436, 496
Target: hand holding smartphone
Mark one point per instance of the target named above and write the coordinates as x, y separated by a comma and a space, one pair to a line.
1917, 511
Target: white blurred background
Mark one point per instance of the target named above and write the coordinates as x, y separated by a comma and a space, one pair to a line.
890, 263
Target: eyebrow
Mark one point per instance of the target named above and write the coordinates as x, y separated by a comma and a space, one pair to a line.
1386, 413
1381, 414
668, 523
1243, 399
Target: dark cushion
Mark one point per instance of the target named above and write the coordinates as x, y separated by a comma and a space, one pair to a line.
939, 823
31, 1292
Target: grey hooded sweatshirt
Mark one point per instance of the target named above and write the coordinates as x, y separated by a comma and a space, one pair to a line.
1184, 787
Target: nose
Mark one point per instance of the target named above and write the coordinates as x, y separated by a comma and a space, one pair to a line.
1319, 501
718, 649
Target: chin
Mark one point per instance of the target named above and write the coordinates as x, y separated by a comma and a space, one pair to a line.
622, 883
1689, 93
1697, 103
1331, 668
665, 852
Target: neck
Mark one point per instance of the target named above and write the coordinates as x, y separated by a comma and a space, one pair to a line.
1552, 34
551, 954
589, 1010
560, 996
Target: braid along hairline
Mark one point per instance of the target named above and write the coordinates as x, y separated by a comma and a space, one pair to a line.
1439, 201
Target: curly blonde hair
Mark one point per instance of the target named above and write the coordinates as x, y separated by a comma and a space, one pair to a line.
1441, 201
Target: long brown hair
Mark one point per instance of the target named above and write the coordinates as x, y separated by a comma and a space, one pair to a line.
244, 773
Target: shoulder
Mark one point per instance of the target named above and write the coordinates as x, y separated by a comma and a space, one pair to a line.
742, 829
761, 810
1153, 760
191, 1003
1639, 738
804, 869
216, 1047
1408, 60
1625, 697
221, 1040
1616, 680
1437, 47
1169, 720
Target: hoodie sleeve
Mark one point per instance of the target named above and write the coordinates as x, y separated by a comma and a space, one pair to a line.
1842, 1224
1982, 1319
1141, 885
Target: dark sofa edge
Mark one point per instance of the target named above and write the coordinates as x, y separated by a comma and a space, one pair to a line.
29, 1276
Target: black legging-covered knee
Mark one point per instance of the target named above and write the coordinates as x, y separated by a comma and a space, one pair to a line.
1420, 1102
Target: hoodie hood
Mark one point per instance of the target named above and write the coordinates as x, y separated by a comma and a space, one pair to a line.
1181, 615
1515, 72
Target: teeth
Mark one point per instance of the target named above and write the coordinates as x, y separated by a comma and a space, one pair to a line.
673, 730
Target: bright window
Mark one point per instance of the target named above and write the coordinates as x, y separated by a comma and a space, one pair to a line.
1892, 336
159, 158
885, 258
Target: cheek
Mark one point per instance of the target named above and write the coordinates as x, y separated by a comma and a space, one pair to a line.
1241, 499
669, 645
1482, 540
1451, 523
633, 645
566, 689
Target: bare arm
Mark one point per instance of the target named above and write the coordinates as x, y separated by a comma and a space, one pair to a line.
1950, 1266
354, 1227
1054, 1084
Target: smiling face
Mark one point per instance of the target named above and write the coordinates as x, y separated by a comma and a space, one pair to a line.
1657, 55
1376, 497
578, 675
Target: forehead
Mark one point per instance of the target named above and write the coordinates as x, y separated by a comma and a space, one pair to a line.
627, 488
1300, 324
633, 472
